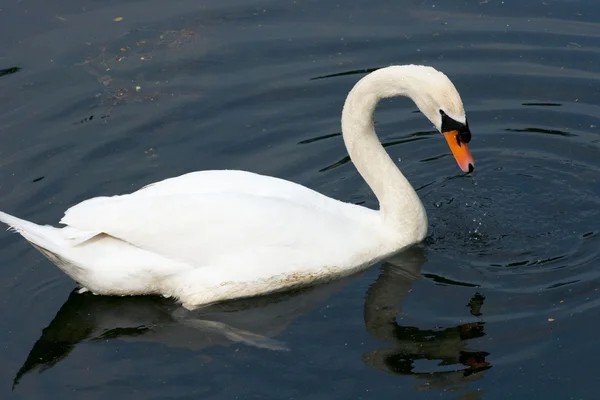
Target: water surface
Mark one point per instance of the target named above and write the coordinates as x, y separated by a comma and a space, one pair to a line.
500, 301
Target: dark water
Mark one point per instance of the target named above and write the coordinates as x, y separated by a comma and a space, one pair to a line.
502, 299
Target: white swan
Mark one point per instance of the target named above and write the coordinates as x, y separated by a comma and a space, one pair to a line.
209, 236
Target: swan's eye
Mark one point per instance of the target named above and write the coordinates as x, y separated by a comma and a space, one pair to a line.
462, 132
465, 134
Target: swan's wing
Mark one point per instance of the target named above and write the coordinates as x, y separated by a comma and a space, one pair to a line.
234, 181
226, 229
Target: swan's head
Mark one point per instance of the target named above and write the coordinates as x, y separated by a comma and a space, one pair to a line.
438, 99
432, 92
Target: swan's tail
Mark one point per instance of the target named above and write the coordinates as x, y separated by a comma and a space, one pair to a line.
38, 235
52, 242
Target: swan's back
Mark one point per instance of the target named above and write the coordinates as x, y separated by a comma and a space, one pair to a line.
238, 182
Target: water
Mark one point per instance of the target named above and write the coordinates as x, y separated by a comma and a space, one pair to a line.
500, 301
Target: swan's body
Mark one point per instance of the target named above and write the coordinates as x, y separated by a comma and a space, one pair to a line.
215, 235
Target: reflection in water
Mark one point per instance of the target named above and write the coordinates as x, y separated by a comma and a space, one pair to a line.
257, 321
408, 345
253, 322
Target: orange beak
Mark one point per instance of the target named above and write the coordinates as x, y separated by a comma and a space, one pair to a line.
460, 151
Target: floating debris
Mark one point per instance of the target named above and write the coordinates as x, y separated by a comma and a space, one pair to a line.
113, 65
118, 19
475, 304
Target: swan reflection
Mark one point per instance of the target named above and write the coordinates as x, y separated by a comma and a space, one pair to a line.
408, 345
259, 321
89, 318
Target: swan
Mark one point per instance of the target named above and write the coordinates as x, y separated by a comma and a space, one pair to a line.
210, 236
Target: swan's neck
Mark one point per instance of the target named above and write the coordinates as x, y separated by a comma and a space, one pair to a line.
400, 207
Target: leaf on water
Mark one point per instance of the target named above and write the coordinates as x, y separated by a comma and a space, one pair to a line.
118, 19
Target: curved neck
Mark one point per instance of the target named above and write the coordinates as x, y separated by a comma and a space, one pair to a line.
400, 205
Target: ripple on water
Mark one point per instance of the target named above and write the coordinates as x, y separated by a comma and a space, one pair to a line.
525, 224
521, 231
42, 284
520, 235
